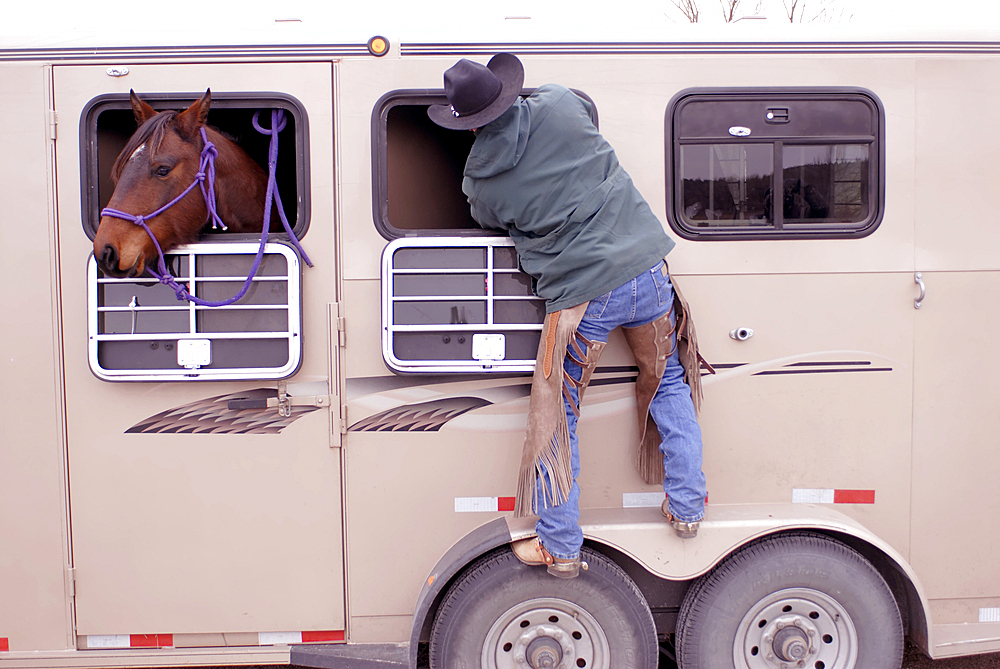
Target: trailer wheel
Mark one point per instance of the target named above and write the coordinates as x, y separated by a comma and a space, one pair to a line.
502, 614
796, 600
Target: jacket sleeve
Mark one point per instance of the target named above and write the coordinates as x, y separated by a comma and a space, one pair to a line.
483, 215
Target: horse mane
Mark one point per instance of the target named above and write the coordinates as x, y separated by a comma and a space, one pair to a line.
151, 133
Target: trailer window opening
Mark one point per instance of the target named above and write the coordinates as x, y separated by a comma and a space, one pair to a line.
424, 165
418, 166
749, 164
107, 123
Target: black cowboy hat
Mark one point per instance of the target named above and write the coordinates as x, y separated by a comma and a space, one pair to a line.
478, 94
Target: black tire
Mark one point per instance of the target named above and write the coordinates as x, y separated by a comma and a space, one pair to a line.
499, 607
790, 598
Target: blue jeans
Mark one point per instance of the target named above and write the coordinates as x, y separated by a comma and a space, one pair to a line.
637, 302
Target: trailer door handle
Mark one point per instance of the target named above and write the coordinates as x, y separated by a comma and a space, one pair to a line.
273, 402
918, 279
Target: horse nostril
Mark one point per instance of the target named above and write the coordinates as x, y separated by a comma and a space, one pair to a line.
109, 257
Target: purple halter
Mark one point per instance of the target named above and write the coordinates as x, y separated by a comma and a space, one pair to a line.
206, 171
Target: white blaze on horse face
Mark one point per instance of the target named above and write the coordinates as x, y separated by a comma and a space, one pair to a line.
135, 154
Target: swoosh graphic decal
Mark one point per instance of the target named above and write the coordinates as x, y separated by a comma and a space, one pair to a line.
213, 415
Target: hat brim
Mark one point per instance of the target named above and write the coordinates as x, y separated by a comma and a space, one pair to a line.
508, 70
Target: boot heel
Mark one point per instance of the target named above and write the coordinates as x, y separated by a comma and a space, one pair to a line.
570, 569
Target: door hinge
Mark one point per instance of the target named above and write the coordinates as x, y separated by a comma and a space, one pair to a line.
53, 122
341, 328
71, 581
343, 419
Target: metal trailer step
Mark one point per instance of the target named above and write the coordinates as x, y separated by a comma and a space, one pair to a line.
352, 656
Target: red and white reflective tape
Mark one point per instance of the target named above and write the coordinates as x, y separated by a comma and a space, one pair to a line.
106, 641
832, 496
986, 615
483, 504
279, 638
130, 640
4, 643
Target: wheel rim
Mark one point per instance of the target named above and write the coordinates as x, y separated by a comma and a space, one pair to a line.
796, 627
546, 633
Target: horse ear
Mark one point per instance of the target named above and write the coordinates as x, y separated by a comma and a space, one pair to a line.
194, 117
142, 111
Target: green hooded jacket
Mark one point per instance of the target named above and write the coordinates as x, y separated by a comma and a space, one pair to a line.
545, 175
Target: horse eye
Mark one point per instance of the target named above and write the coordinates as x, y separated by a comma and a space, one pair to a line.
162, 171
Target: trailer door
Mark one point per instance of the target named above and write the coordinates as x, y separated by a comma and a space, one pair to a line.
198, 521
957, 364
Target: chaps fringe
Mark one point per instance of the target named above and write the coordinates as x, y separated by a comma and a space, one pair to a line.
546, 440
687, 349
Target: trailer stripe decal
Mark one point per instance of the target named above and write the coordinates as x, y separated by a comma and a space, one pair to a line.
4, 643
483, 504
647, 48
832, 496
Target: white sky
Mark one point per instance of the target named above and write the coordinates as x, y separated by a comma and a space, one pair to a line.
142, 22
881, 13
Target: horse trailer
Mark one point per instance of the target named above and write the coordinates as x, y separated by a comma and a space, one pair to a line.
322, 473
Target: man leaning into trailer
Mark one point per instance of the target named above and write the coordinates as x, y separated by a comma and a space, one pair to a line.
540, 171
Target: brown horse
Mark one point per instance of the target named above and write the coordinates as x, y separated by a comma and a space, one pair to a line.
159, 161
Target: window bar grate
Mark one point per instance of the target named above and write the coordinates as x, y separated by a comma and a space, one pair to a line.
488, 297
226, 325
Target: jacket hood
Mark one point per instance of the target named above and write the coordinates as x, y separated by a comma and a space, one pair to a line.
500, 144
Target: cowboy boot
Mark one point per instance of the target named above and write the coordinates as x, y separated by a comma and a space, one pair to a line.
683, 530
531, 552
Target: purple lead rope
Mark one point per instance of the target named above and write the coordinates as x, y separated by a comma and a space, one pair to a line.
207, 172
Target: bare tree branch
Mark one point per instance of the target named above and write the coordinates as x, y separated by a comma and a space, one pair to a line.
818, 11
790, 9
689, 8
729, 9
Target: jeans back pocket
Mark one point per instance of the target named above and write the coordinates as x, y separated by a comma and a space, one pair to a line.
664, 291
597, 306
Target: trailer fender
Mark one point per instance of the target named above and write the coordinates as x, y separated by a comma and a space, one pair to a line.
481, 540
644, 536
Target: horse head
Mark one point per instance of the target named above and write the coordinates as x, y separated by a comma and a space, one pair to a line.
160, 161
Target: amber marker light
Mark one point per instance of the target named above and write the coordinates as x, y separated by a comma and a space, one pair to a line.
378, 46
